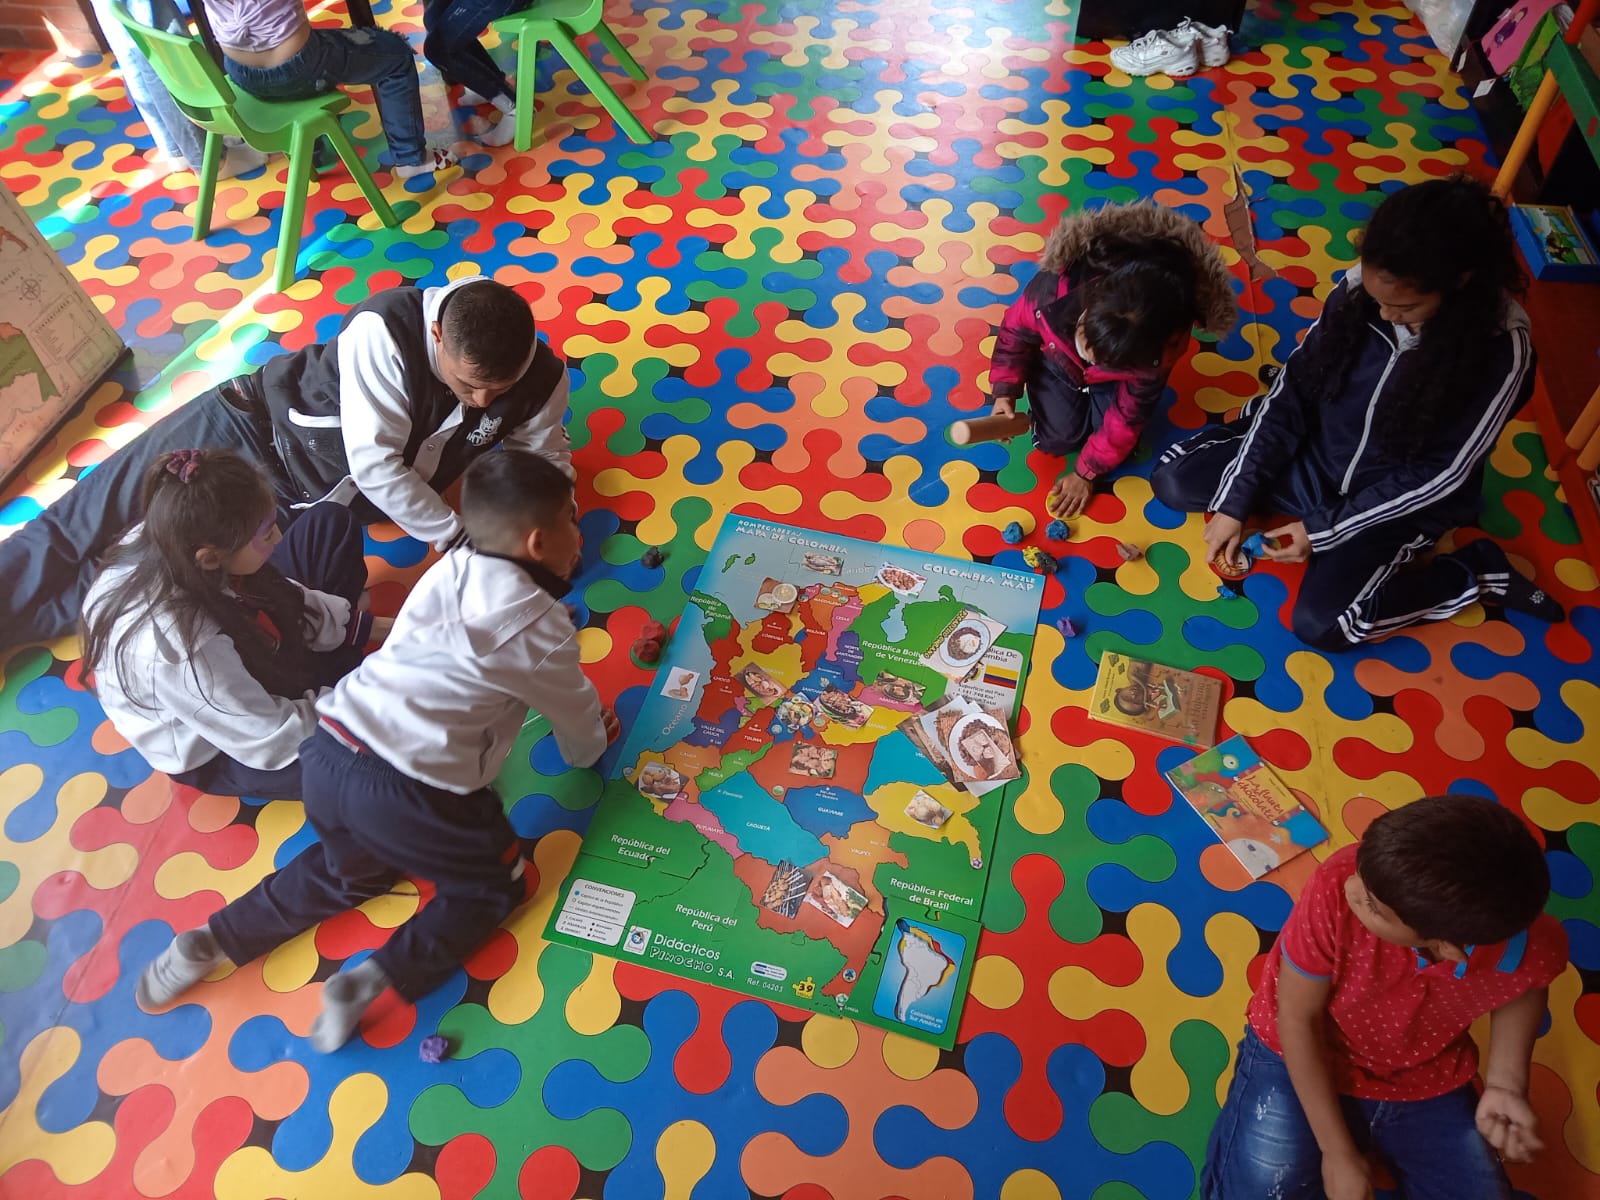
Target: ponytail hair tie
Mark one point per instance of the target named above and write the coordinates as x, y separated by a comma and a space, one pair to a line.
183, 464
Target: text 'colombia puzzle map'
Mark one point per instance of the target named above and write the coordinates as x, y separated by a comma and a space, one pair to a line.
805, 809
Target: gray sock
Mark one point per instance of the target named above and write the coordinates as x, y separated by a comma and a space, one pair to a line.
501, 134
188, 959
344, 998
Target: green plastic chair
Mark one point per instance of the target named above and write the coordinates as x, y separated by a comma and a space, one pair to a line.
203, 93
559, 22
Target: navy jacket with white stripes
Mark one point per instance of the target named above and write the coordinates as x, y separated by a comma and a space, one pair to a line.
1344, 484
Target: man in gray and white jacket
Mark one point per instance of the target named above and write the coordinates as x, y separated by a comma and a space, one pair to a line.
382, 417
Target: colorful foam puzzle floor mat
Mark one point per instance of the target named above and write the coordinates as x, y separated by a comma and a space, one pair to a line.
775, 308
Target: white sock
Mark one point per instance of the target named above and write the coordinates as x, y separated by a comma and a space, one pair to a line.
344, 998
505, 104
468, 96
501, 134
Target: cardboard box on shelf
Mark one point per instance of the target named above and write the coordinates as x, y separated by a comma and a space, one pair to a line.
1555, 243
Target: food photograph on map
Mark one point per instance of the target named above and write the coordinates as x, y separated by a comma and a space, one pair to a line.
796, 713
822, 564
786, 889
680, 683
925, 810
962, 645
659, 781
844, 708
836, 898
759, 684
810, 759
981, 749
777, 596
921, 729
901, 581
894, 692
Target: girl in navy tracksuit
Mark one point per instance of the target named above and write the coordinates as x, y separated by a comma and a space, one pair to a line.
1373, 437
209, 634
1095, 334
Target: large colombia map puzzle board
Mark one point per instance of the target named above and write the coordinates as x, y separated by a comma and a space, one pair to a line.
770, 827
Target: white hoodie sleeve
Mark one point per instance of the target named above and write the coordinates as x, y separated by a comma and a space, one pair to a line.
213, 694
377, 424
557, 689
545, 433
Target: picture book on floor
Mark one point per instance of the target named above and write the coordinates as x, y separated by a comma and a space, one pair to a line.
1247, 806
1172, 703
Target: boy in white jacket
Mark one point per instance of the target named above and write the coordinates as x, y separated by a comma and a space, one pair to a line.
397, 777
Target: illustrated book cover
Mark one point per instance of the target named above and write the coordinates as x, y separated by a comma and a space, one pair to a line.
1247, 806
1182, 706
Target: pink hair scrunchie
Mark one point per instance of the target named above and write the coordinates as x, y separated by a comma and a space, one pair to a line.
183, 464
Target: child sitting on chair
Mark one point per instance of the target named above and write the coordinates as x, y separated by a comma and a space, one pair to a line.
398, 776
1095, 334
273, 52
1358, 1038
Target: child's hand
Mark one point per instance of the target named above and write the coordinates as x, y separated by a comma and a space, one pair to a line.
1222, 537
608, 718
1294, 545
1004, 406
1507, 1122
1346, 1177
1070, 496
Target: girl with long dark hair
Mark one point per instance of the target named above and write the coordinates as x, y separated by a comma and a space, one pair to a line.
206, 653
1373, 437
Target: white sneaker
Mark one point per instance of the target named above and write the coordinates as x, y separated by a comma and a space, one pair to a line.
1158, 51
1212, 40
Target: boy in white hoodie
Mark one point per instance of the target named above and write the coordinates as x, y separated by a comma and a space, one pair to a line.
397, 777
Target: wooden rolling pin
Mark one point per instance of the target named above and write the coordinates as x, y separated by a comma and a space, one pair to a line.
988, 429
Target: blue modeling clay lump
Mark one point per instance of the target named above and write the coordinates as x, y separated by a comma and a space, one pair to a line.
1012, 533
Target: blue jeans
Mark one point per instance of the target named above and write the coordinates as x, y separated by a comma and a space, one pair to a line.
334, 56
172, 132
453, 28
1261, 1145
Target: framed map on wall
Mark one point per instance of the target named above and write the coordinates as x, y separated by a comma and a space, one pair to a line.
54, 343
